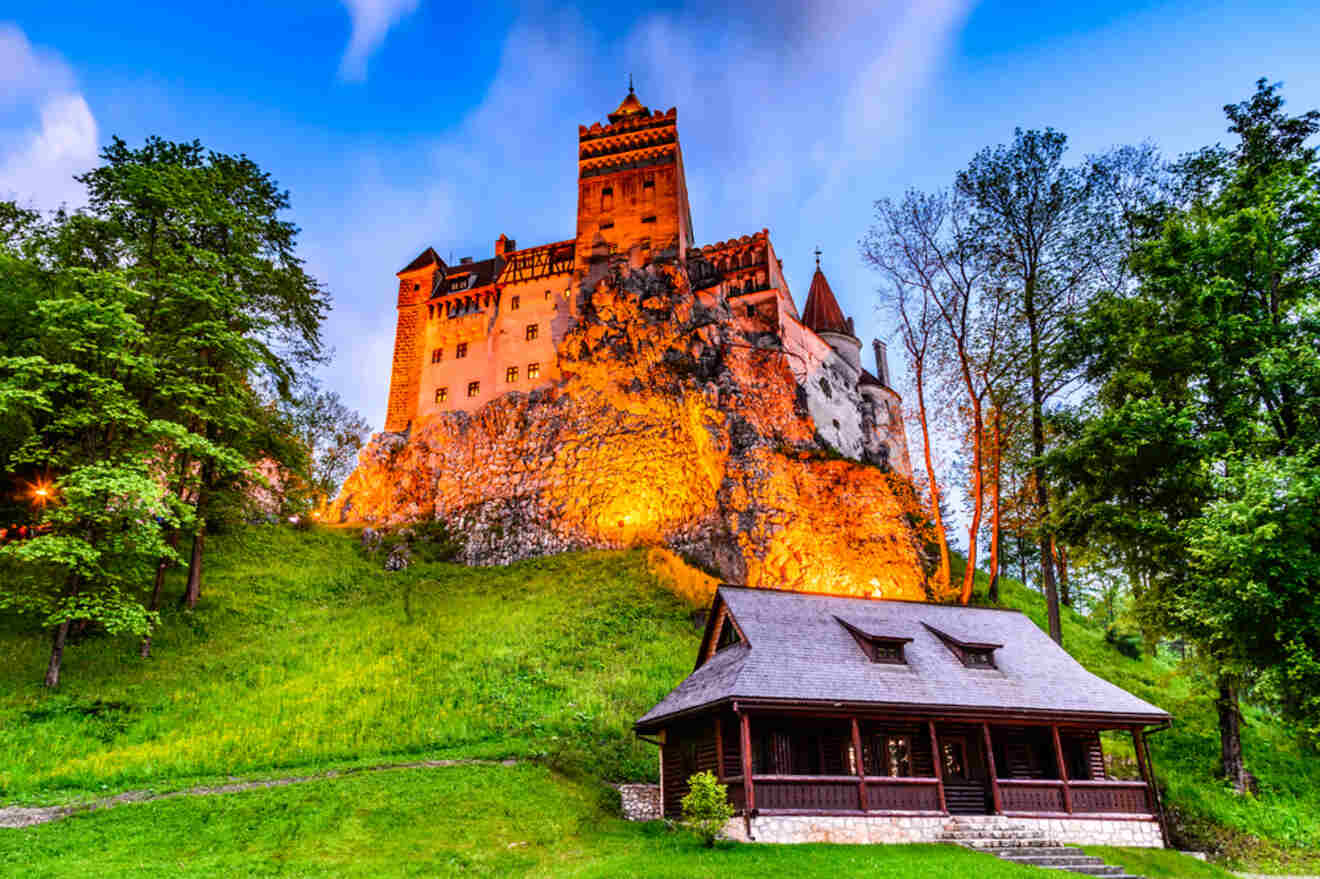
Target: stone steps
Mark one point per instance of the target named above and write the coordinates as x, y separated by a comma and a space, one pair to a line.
1030, 847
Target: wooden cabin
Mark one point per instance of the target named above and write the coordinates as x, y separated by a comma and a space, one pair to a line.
822, 705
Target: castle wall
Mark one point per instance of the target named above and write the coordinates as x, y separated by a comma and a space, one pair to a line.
405, 375
496, 339
830, 384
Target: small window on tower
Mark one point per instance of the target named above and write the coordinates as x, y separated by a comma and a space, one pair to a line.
511, 374
460, 350
533, 370
607, 198
547, 295
650, 219
474, 388
648, 183
437, 354
514, 302
532, 331
441, 394
606, 224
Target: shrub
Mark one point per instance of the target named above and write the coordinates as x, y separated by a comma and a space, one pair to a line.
1127, 643
706, 807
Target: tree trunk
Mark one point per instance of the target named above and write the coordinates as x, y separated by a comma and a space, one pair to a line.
940, 535
974, 529
194, 589
161, 567
1230, 734
1048, 584
1061, 560
997, 450
59, 637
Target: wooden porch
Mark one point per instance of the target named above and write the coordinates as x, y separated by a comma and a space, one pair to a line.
873, 765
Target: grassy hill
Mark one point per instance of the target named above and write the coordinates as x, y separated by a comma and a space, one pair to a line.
304, 656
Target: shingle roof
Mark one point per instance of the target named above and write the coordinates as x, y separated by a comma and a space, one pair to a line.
822, 312
797, 651
425, 258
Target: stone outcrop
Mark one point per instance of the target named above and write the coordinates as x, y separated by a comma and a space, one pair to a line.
676, 423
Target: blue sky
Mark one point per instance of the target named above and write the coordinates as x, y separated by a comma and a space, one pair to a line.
398, 124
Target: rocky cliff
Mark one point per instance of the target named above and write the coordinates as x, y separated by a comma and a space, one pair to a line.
675, 424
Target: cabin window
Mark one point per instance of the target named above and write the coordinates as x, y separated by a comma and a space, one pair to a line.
890, 652
533, 370
511, 374
728, 635
532, 331
898, 756
954, 758
460, 350
977, 657
607, 198
514, 302
437, 354
441, 394
474, 388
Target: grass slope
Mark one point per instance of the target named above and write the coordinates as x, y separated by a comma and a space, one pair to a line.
469, 821
304, 656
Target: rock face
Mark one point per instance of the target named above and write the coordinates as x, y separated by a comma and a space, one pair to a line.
675, 424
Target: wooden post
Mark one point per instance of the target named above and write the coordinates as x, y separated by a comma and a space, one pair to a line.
990, 764
939, 765
861, 765
1063, 770
1138, 745
749, 793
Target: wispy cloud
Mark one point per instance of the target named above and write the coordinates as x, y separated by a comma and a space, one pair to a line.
56, 136
372, 20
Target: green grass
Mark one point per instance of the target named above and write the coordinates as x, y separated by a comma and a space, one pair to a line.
1157, 863
305, 656
488, 821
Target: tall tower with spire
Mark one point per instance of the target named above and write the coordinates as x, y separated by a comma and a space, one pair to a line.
823, 316
632, 193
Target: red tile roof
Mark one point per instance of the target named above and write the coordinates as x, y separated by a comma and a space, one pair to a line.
822, 312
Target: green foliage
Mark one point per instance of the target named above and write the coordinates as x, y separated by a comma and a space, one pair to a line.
706, 807
1126, 643
1158, 863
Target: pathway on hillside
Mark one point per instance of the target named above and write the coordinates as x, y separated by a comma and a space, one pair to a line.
27, 816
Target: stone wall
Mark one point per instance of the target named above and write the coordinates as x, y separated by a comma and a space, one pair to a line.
641, 802
888, 829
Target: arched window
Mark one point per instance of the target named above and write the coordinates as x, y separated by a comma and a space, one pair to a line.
607, 198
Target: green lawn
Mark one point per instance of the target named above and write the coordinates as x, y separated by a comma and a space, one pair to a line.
1158, 864
304, 656
469, 821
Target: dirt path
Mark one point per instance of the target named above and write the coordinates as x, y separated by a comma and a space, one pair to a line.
27, 816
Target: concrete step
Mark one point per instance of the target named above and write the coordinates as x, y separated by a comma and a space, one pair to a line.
987, 844
962, 833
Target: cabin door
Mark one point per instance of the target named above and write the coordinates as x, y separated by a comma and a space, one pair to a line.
964, 780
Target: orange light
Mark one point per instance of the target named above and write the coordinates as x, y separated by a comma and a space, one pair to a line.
41, 493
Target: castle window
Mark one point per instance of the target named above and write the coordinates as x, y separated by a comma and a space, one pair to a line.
607, 198
474, 388
650, 219
547, 295
460, 350
648, 183
511, 374
441, 394
416, 287
533, 370
514, 302
751, 311
532, 331
437, 354
430, 312
607, 224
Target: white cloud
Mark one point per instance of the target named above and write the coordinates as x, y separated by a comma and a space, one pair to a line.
39, 158
372, 20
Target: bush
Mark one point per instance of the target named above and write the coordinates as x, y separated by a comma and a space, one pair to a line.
1126, 643
706, 807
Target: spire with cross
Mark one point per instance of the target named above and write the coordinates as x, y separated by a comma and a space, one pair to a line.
818, 257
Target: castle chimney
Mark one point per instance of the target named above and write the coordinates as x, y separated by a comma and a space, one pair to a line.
504, 245
465, 261
881, 362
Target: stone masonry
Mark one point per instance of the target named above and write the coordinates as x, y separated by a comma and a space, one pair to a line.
641, 802
897, 829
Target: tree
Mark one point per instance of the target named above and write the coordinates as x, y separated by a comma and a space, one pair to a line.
1195, 459
332, 435
706, 807
226, 305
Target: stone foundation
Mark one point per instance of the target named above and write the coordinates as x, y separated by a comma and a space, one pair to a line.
897, 829
641, 802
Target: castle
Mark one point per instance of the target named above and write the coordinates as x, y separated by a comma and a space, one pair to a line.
474, 332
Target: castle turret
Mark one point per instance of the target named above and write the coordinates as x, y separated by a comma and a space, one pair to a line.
823, 316
631, 189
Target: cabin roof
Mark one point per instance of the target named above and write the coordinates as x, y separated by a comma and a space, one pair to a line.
797, 651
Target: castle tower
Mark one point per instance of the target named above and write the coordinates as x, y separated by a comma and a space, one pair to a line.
416, 284
823, 315
631, 189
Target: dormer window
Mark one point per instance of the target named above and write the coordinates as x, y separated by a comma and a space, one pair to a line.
886, 649
972, 654
728, 635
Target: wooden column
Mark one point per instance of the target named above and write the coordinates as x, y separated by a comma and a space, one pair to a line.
749, 794
990, 765
861, 765
1139, 745
1063, 770
939, 765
